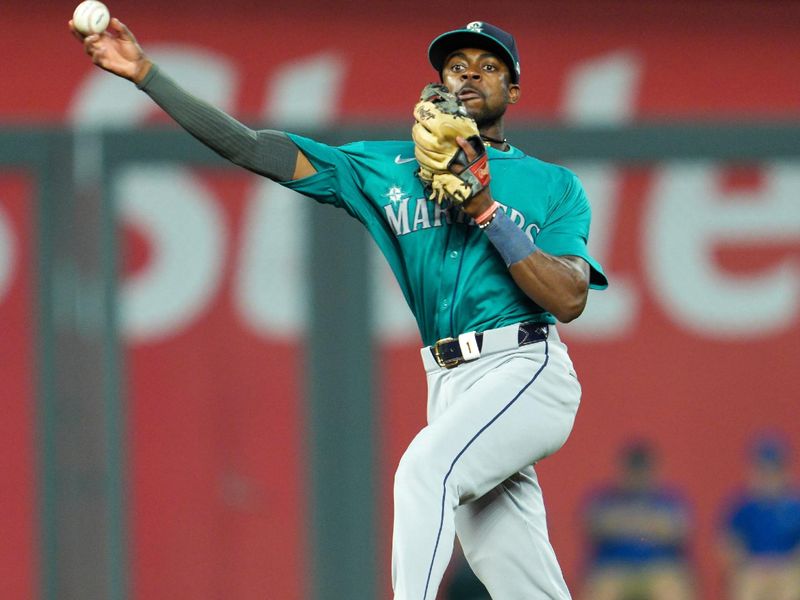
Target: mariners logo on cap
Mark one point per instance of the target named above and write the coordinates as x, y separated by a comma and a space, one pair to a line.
475, 26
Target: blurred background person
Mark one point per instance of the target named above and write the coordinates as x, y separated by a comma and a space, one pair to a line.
761, 530
638, 530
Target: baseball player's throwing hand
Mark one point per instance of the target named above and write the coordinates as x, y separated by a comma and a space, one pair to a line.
115, 50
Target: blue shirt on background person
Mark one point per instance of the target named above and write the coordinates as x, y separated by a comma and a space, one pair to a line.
761, 529
637, 527
764, 519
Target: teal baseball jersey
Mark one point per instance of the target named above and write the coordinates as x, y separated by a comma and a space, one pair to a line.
452, 277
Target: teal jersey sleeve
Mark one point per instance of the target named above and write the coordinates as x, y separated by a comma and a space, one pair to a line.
566, 227
340, 175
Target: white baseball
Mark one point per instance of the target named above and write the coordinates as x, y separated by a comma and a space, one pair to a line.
91, 17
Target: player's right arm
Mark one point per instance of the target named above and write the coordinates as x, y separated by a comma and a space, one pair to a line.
268, 153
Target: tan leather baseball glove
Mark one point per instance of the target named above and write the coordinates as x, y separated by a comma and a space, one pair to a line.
440, 119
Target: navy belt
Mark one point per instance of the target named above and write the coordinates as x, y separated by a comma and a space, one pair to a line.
448, 352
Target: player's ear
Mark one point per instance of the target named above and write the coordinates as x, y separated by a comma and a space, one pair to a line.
514, 93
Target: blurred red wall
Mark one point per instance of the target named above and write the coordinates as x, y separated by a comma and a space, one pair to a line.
215, 418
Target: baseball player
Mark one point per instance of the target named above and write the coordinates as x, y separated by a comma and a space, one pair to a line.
489, 247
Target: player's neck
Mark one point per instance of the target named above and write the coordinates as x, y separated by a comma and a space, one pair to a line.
493, 136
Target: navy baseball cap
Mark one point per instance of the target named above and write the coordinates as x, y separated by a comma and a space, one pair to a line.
477, 34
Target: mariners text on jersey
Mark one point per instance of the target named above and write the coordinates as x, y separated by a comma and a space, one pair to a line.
405, 215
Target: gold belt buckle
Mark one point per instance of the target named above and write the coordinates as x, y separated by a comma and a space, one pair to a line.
445, 363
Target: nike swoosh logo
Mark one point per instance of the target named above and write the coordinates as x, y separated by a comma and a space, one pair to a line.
400, 160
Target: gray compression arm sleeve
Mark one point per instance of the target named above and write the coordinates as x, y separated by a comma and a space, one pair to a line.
266, 152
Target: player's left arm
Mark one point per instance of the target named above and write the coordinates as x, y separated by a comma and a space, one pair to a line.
559, 284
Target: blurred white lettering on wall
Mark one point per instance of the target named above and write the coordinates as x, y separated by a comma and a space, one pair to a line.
187, 236
603, 91
7, 254
690, 217
271, 284
271, 288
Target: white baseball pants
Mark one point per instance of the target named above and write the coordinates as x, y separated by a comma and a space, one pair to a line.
470, 473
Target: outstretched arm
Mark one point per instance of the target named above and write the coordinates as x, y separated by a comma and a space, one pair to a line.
266, 152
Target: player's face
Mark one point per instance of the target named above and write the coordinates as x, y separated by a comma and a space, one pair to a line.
482, 82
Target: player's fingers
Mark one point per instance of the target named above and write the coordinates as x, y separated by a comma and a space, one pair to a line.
78, 35
91, 43
122, 30
97, 57
467, 148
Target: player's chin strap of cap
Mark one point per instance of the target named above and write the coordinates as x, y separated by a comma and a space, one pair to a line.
451, 352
